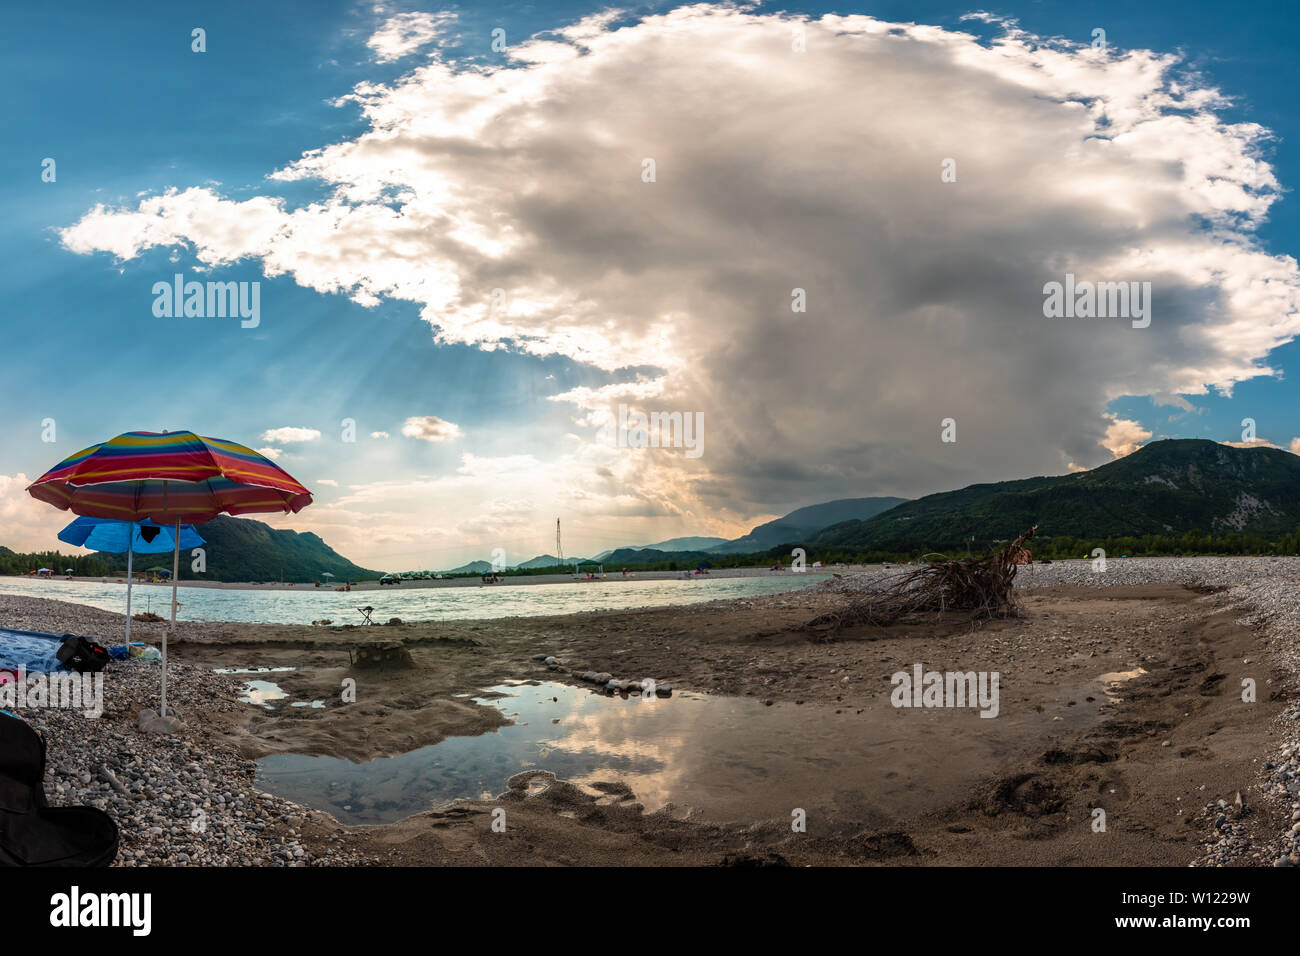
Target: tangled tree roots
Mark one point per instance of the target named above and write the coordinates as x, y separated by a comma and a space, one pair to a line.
983, 586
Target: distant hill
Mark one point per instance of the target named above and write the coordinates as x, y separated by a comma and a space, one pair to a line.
633, 556
686, 544
804, 522
543, 561
474, 567
672, 544
1164, 488
242, 549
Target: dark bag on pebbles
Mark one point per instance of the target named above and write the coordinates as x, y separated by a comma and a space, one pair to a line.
33, 833
82, 654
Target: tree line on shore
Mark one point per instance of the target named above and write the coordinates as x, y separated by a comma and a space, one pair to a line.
84, 565
1195, 542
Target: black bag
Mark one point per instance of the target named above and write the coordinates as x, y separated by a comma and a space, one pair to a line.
81, 654
32, 833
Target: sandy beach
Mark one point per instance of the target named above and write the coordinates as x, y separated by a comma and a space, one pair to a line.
1118, 691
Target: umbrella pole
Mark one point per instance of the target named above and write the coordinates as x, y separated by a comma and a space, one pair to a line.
176, 567
130, 549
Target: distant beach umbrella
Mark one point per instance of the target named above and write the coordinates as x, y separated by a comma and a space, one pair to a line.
168, 478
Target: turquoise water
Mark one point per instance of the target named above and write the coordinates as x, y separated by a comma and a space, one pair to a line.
410, 604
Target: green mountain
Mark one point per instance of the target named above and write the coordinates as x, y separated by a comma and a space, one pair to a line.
696, 543
652, 556
474, 567
672, 544
542, 561
241, 549
1164, 488
802, 523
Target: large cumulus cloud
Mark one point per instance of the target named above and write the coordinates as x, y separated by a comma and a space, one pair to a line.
775, 170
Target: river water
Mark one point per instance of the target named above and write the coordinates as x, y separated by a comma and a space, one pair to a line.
410, 604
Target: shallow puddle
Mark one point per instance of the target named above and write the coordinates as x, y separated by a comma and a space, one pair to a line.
717, 758
262, 693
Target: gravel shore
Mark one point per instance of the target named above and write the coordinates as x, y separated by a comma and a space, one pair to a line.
183, 799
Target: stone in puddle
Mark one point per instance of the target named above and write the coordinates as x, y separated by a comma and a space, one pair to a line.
520, 781
539, 657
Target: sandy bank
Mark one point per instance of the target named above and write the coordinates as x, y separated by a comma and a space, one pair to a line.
1157, 754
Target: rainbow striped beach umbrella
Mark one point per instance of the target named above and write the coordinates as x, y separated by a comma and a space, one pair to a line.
168, 478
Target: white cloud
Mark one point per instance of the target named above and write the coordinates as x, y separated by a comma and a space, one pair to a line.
25, 523
289, 435
589, 398
1124, 436
430, 428
328, 482
1258, 443
271, 453
405, 33
924, 297
380, 435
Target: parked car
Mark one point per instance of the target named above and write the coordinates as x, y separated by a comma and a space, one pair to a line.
391, 579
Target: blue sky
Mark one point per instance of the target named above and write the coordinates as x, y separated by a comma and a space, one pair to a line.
128, 111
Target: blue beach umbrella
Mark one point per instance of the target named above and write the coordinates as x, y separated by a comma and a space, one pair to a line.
128, 537
119, 537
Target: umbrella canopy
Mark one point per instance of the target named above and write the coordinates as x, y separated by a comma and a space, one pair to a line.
117, 537
168, 477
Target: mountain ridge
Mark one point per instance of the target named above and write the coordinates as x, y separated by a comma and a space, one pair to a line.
244, 549
1168, 487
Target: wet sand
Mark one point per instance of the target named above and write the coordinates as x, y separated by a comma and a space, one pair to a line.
898, 786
